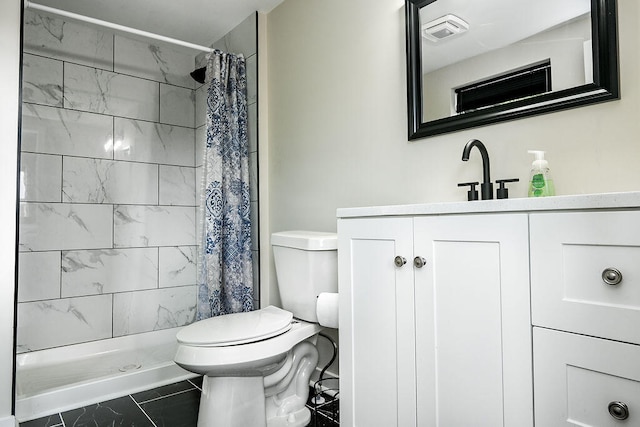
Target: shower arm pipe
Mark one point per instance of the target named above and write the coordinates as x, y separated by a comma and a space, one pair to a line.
117, 27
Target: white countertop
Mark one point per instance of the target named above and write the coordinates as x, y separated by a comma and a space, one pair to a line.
556, 203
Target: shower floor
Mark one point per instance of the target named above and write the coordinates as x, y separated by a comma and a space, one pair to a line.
67, 377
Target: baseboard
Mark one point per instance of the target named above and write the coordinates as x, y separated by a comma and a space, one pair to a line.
8, 422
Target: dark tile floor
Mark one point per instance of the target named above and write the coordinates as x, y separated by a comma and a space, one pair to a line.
324, 414
174, 405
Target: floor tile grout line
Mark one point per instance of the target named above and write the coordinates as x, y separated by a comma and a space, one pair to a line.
191, 382
143, 411
162, 397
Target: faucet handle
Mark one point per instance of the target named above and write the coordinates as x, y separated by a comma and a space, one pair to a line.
472, 194
503, 192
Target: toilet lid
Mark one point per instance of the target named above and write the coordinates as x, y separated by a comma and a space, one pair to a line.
237, 328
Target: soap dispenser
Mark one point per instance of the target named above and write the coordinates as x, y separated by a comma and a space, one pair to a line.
540, 182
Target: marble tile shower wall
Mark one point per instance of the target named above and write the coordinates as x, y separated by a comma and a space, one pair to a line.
108, 186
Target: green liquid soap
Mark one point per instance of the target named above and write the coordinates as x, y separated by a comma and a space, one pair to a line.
540, 182
541, 187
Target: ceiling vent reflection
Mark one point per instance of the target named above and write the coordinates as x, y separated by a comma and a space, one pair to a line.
444, 27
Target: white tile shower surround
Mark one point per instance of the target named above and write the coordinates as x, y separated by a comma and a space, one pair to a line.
94, 47
152, 62
39, 276
108, 210
141, 141
177, 105
42, 169
106, 271
135, 312
177, 266
105, 92
50, 226
67, 132
46, 275
82, 319
68, 41
98, 258
42, 80
252, 74
177, 186
87, 180
201, 113
153, 226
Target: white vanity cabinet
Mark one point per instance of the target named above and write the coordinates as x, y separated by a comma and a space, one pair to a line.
434, 321
510, 303
585, 381
585, 287
376, 323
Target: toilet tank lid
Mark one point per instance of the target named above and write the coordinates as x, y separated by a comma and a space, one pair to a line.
306, 240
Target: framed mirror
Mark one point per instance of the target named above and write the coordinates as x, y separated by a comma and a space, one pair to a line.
472, 63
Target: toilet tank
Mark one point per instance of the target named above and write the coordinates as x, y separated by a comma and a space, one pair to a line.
306, 265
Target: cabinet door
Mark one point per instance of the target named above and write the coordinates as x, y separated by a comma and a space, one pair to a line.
377, 353
578, 377
571, 255
473, 330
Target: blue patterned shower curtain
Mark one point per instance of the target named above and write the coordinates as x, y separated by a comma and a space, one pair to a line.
225, 282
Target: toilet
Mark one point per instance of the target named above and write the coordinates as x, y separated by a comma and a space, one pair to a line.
257, 365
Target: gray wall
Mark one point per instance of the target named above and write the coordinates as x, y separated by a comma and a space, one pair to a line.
338, 122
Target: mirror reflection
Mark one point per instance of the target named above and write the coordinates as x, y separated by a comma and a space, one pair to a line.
472, 63
477, 55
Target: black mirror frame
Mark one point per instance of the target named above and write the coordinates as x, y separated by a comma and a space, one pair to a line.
604, 88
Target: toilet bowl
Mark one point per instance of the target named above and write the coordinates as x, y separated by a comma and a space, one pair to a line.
257, 365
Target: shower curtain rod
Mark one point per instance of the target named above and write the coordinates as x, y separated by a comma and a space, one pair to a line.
118, 27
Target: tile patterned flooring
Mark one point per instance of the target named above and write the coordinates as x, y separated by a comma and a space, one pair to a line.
173, 405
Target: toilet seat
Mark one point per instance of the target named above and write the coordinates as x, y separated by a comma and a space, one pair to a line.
237, 328
233, 359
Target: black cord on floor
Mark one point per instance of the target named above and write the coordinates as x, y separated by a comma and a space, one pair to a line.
322, 372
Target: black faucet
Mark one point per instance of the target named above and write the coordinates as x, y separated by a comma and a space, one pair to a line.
486, 188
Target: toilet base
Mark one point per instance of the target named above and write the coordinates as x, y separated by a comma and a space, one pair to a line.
299, 418
287, 390
240, 402
232, 402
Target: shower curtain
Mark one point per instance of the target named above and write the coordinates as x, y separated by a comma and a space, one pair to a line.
225, 282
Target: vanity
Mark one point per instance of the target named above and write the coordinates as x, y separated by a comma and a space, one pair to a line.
513, 313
